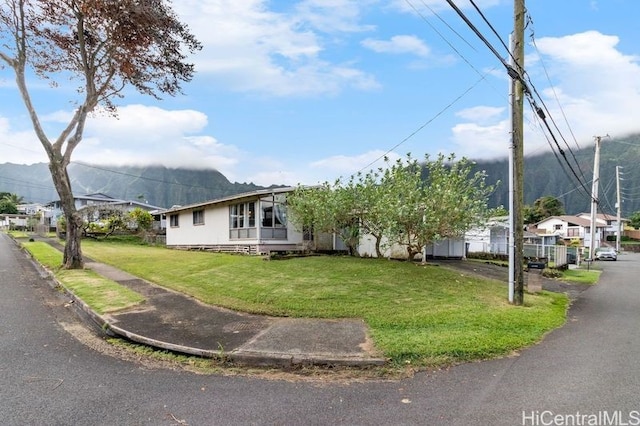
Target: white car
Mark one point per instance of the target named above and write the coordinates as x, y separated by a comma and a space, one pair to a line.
606, 253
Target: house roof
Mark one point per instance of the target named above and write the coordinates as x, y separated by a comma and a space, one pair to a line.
571, 220
106, 199
236, 197
605, 217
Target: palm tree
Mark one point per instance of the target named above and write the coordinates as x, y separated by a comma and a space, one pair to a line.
14, 199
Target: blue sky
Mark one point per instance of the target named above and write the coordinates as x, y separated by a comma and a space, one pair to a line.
290, 92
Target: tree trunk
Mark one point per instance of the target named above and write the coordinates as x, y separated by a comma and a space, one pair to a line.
72, 251
378, 242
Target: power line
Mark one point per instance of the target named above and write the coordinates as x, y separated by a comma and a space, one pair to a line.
412, 134
527, 85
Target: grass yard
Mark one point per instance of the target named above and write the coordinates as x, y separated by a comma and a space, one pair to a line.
582, 276
423, 315
101, 294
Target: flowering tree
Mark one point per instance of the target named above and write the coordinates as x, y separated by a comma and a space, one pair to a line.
103, 45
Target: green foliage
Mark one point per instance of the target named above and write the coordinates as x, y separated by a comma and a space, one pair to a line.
543, 208
327, 208
12, 198
103, 219
8, 207
400, 203
444, 203
142, 218
634, 220
551, 273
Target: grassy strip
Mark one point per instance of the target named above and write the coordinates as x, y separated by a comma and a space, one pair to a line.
422, 315
101, 294
581, 276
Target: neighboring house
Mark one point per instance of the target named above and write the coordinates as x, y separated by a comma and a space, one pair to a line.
610, 222
255, 222
38, 214
13, 221
568, 228
99, 199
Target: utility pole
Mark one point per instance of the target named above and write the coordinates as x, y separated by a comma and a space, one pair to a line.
594, 197
517, 119
618, 210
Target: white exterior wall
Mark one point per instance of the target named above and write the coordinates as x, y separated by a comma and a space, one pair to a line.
447, 248
367, 248
443, 248
479, 240
549, 226
215, 230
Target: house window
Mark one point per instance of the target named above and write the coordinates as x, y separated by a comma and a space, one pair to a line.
242, 220
273, 217
198, 217
557, 227
173, 220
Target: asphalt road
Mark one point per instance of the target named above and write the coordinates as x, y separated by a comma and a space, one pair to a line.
589, 367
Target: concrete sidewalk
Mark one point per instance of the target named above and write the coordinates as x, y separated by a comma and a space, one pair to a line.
176, 322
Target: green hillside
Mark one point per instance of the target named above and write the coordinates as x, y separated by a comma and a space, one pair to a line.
164, 187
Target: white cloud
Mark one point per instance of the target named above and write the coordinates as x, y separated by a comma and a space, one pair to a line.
150, 135
426, 6
250, 48
477, 141
481, 114
596, 85
345, 166
399, 44
333, 16
19, 146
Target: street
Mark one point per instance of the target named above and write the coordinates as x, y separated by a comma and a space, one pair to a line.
588, 367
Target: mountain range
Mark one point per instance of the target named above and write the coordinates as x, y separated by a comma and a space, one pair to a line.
565, 173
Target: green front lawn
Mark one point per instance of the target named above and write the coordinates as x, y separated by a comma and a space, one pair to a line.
424, 315
101, 294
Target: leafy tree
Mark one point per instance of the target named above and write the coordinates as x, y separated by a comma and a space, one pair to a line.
13, 198
398, 203
7, 207
444, 204
371, 210
142, 218
634, 220
327, 208
103, 220
543, 208
105, 46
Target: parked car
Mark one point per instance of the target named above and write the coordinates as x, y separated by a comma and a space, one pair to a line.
606, 253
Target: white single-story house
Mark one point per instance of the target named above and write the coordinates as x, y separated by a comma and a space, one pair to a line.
254, 222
